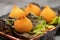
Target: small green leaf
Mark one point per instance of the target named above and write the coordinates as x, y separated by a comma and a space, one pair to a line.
50, 26
38, 32
7, 22
54, 21
59, 20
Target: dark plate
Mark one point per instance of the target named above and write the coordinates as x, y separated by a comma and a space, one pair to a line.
47, 36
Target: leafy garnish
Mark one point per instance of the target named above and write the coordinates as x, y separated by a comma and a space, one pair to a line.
39, 29
54, 21
59, 20
10, 21
50, 26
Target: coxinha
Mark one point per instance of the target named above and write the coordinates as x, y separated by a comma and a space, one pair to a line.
22, 23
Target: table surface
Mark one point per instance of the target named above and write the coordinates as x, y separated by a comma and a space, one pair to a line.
57, 38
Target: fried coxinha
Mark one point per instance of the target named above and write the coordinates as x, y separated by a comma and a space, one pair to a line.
33, 9
22, 23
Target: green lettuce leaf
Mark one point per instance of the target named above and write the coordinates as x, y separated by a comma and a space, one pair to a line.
54, 21
59, 20
39, 28
50, 26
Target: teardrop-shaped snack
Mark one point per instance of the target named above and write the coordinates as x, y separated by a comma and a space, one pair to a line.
27, 10
23, 25
48, 14
16, 12
35, 9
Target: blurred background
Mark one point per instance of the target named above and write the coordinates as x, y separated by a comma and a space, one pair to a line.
6, 5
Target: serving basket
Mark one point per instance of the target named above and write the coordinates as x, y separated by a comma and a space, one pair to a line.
46, 36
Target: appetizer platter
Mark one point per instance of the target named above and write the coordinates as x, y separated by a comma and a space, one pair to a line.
30, 23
